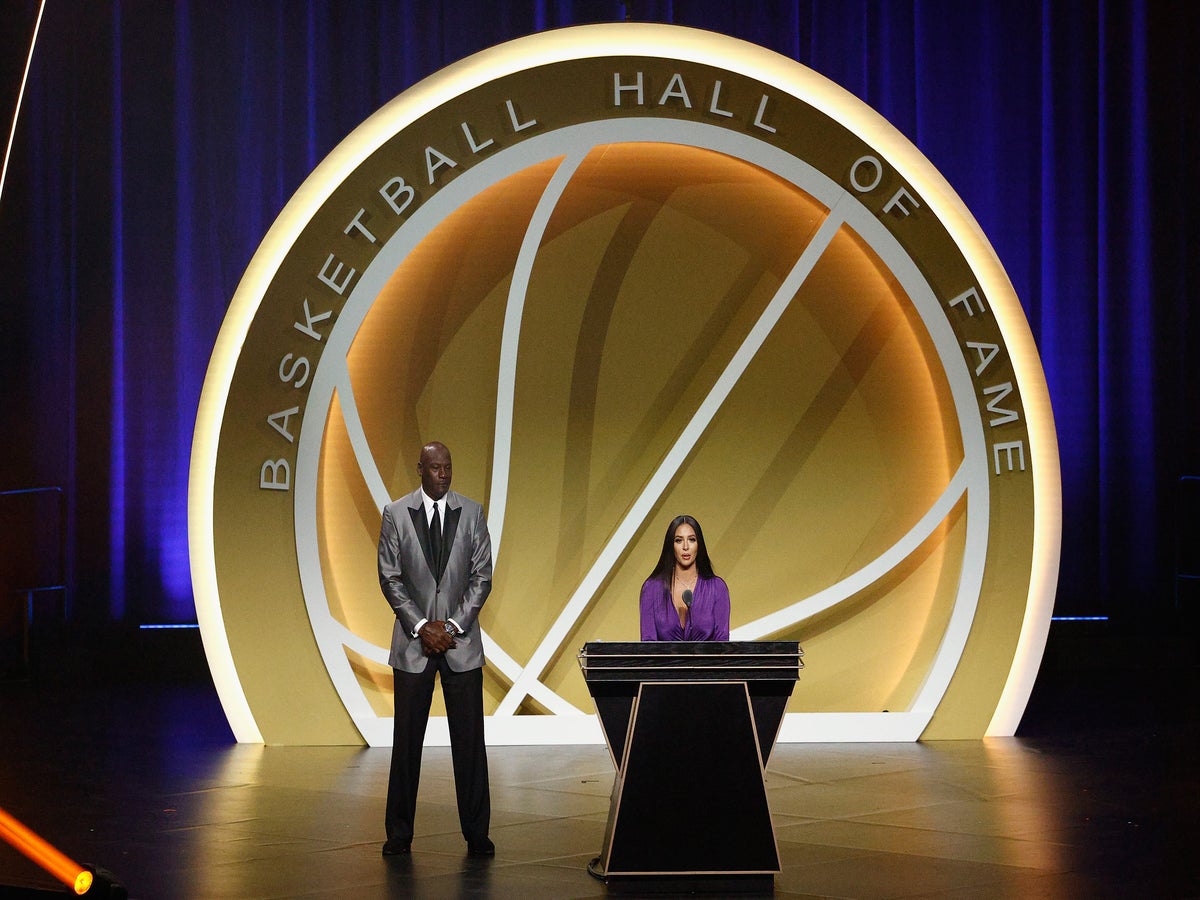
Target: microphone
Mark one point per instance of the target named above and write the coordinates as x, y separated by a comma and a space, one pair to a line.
687, 599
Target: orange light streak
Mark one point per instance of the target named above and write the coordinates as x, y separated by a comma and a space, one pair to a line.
44, 854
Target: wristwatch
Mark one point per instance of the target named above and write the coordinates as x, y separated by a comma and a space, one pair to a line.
450, 629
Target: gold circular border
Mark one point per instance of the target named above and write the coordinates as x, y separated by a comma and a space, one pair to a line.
664, 42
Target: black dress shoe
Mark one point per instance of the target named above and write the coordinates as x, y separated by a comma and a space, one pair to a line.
483, 847
397, 847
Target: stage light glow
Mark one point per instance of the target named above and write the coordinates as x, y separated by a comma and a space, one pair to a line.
20, 95
23, 839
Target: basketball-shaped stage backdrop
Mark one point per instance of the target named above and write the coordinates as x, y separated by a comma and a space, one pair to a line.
624, 272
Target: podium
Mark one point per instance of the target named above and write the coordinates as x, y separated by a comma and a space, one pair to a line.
690, 726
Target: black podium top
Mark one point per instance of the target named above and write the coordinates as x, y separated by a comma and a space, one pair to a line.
604, 661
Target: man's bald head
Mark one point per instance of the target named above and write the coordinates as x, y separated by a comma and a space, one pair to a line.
435, 469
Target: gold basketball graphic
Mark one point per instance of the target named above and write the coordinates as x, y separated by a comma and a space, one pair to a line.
637, 273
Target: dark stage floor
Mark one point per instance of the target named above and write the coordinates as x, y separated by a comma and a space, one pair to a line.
1097, 797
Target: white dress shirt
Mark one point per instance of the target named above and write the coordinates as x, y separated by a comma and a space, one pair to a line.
430, 505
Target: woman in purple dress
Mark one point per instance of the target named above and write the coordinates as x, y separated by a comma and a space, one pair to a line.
683, 599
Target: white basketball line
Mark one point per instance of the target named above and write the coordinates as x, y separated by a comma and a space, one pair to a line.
505, 397
495, 654
510, 342
666, 471
360, 645
358, 437
974, 465
864, 577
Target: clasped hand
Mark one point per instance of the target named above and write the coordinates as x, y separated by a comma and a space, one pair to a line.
435, 638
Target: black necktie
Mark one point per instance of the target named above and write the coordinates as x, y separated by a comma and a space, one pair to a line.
435, 539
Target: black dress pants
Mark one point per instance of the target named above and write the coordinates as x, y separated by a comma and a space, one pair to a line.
463, 692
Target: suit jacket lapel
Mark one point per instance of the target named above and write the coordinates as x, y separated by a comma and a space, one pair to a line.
421, 526
449, 527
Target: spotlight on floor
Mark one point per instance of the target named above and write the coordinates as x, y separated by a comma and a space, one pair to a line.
84, 881
100, 883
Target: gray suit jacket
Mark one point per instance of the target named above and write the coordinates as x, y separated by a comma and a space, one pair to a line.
406, 575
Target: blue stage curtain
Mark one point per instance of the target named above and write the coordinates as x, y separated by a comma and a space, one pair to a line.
159, 140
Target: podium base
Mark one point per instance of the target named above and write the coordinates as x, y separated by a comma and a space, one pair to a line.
684, 883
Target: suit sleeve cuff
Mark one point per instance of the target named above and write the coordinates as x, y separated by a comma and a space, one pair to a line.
416, 631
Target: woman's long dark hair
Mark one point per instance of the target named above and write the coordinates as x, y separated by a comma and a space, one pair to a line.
666, 560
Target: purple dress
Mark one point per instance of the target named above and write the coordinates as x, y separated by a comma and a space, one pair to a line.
708, 618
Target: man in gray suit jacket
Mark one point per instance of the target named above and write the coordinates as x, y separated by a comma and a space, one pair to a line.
435, 569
